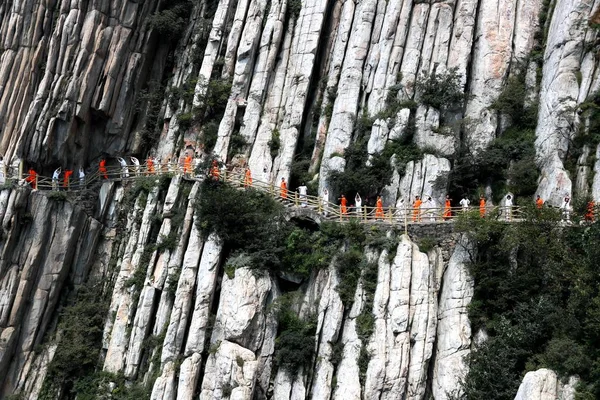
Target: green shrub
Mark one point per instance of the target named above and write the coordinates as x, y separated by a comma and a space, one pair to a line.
293, 9
171, 22
77, 354
57, 195
441, 90
537, 294
348, 266
274, 143
295, 343
512, 102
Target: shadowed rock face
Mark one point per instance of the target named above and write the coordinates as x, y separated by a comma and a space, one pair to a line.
80, 80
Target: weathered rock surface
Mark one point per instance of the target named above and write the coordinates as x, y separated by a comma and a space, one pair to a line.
544, 384
81, 80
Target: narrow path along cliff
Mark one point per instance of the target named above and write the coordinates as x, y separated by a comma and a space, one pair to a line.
169, 286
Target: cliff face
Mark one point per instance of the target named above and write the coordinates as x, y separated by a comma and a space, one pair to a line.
269, 83
215, 332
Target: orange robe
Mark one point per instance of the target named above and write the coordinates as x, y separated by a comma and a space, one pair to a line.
248, 178
187, 165
589, 215
68, 174
102, 169
216, 174
482, 208
379, 209
31, 178
447, 210
150, 165
283, 190
343, 206
417, 210
539, 203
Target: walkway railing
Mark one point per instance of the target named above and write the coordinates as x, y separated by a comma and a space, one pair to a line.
389, 215
325, 209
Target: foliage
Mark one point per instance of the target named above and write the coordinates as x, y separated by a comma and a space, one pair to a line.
213, 101
78, 348
295, 343
102, 383
331, 96
441, 90
537, 295
508, 164
250, 221
149, 104
357, 176
171, 22
293, 8
349, 269
57, 195
274, 143
256, 235
512, 102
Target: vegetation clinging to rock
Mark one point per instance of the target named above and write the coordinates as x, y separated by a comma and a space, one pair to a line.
537, 296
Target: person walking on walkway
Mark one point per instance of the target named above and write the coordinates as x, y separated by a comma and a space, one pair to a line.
32, 178
283, 191
590, 211
566, 209
102, 169
358, 204
465, 204
429, 206
417, 209
150, 165
379, 208
67, 178
81, 178
539, 203
55, 178
325, 201
187, 165
343, 205
247, 178
303, 192
508, 204
214, 170
2, 171
136, 165
481, 206
124, 168
447, 208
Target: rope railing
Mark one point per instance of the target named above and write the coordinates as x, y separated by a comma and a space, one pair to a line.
324, 208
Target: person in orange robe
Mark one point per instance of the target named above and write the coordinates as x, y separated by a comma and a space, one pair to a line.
481, 206
32, 178
539, 202
343, 205
417, 209
150, 165
589, 215
247, 178
102, 168
283, 191
68, 173
447, 208
214, 171
187, 165
379, 208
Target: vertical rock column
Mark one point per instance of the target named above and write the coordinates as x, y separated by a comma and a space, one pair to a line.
454, 330
558, 96
345, 108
